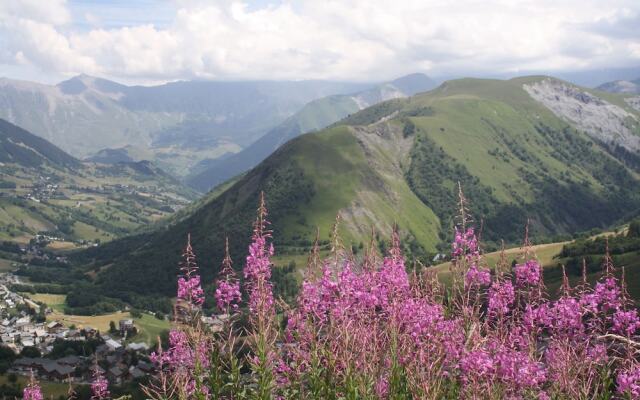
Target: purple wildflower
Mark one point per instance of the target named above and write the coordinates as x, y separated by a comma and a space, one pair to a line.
501, 297
476, 277
626, 322
32, 391
528, 273
228, 291
189, 288
99, 386
464, 243
628, 381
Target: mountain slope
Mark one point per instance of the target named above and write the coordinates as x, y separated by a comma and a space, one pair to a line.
180, 123
314, 116
400, 162
21, 147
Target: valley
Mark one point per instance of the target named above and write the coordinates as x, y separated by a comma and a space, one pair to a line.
50, 199
534, 148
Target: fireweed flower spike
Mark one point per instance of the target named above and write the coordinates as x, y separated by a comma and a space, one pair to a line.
99, 386
32, 391
263, 333
227, 293
190, 293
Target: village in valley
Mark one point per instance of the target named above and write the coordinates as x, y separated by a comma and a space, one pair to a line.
41, 342
54, 351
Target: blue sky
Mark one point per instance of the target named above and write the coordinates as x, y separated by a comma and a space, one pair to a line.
148, 41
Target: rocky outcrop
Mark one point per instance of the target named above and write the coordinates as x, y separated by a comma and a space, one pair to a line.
633, 102
601, 120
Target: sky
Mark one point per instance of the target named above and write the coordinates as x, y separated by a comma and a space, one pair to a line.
151, 41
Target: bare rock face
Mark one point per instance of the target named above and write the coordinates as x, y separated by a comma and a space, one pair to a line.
633, 102
603, 121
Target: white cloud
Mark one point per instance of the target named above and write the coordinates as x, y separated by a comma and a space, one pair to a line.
49, 11
328, 39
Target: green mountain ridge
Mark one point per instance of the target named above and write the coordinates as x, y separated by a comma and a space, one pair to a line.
400, 162
314, 116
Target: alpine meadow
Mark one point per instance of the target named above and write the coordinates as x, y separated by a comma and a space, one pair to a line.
270, 199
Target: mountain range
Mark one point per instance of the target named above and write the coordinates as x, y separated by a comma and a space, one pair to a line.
175, 125
313, 116
564, 157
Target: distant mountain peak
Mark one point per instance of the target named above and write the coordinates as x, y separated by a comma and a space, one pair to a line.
412, 82
621, 86
83, 82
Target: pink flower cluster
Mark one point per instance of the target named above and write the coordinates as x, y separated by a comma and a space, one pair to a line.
477, 277
257, 273
501, 297
189, 286
628, 382
464, 243
190, 289
32, 392
529, 273
258, 263
181, 354
228, 294
626, 323
606, 296
99, 386
369, 329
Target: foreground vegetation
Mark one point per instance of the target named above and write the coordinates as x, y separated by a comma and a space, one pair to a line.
378, 329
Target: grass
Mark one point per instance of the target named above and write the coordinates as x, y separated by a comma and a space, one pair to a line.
321, 112
330, 160
630, 261
55, 301
100, 322
61, 246
5, 265
88, 232
149, 327
49, 389
457, 127
359, 173
370, 195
